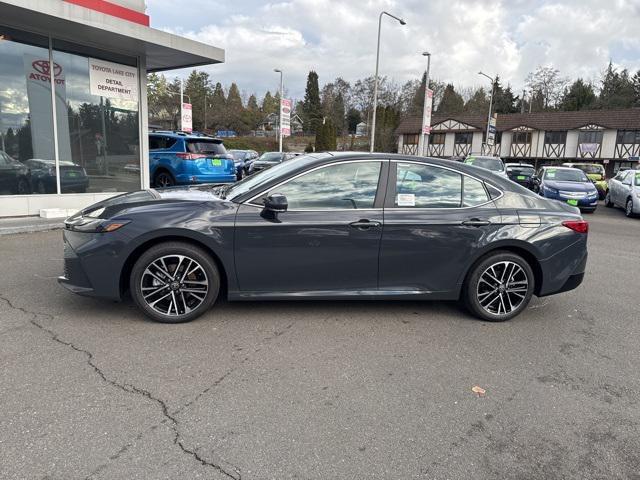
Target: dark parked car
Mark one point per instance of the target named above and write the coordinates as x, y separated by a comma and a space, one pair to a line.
14, 176
568, 185
268, 160
73, 178
177, 158
520, 173
242, 160
347, 226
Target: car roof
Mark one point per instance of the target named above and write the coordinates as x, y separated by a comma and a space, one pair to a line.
559, 168
512, 164
189, 136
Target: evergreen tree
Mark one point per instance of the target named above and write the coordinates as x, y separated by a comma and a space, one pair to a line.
312, 109
269, 104
354, 117
503, 99
636, 89
579, 96
478, 103
451, 102
235, 110
617, 89
196, 89
217, 118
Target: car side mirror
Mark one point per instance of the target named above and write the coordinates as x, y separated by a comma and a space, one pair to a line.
276, 202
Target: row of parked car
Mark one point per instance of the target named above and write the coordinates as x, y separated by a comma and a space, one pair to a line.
39, 176
178, 158
577, 184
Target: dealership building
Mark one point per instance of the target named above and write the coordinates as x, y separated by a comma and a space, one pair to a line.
73, 100
608, 137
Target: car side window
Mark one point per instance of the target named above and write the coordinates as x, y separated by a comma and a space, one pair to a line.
626, 179
155, 142
426, 186
473, 192
341, 186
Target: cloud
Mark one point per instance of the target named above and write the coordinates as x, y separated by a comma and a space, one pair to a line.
337, 38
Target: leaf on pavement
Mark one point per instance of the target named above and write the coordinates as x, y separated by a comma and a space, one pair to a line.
478, 390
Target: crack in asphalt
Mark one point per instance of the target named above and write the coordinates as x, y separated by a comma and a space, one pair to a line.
126, 388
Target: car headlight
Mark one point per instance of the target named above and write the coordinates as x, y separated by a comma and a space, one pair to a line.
94, 225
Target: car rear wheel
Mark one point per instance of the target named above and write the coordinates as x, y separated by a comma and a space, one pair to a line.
607, 200
629, 208
163, 180
22, 188
499, 287
174, 282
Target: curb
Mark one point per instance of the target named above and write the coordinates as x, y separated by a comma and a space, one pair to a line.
31, 228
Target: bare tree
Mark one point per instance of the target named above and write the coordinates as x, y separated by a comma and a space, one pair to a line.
548, 84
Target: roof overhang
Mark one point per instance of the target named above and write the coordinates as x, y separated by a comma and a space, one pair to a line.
77, 24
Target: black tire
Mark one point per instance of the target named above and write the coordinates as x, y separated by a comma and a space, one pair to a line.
628, 208
163, 179
23, 187
240, 175
475, 289
607, 200
192, 305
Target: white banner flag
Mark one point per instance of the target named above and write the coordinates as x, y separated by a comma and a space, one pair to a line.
186, 124
426, 115
285, 115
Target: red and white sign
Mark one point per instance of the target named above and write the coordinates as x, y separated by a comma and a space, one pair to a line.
426, 114
285, 115
186, 123
114, 9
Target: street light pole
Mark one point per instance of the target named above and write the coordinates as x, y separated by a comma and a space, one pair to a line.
493, 87
424, 136
181, 103
375, 81
277, 70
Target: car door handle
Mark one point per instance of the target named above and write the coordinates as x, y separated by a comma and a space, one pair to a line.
476, 222
364, 224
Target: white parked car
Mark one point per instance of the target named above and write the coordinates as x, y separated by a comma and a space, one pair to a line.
493, 164
624, 191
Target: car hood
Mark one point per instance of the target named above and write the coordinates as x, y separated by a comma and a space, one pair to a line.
570, 186
152, 199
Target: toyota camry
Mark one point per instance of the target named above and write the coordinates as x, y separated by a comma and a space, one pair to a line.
330, 226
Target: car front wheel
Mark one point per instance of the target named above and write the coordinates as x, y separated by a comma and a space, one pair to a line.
174, 282
607, 200
499, 287
629, 208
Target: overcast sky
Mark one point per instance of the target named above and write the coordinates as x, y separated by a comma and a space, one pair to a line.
338, 38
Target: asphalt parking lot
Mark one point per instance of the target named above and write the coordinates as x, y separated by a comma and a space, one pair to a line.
91, 389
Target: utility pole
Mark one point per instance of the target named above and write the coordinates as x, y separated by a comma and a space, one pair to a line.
277, 70
424, 136
181, 102
375, 81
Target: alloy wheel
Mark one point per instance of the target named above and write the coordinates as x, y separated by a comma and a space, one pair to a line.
163, 180
174, 285
502, 288
629, 209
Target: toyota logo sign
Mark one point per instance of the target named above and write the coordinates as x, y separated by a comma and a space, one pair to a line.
42, 66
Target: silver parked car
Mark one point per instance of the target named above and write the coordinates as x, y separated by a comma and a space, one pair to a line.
624, 191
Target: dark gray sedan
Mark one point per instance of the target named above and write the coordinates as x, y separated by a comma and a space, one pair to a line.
330, 226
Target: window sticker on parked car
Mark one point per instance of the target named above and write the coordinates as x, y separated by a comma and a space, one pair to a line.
551, 173
406, 200
216, 162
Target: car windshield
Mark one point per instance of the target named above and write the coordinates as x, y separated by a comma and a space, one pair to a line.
256, 180
521, 170
237, 154
565, 175
493, 164
271, 157
205, 146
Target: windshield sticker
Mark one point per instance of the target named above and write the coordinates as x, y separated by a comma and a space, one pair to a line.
469, 161
551, 173
406, 200
216, 162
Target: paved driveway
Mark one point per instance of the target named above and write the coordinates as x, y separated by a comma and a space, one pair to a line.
90, 389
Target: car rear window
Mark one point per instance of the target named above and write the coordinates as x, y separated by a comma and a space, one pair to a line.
205, 146
528, 171
591, 169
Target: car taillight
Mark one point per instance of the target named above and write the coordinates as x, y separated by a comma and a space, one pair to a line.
191, 156
580, 226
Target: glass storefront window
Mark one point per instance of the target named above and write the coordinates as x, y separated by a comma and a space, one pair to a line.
98, 136
26, 118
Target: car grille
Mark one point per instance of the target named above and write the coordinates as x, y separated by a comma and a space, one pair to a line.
573, 194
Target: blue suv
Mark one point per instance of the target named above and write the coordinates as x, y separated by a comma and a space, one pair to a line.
177, 158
